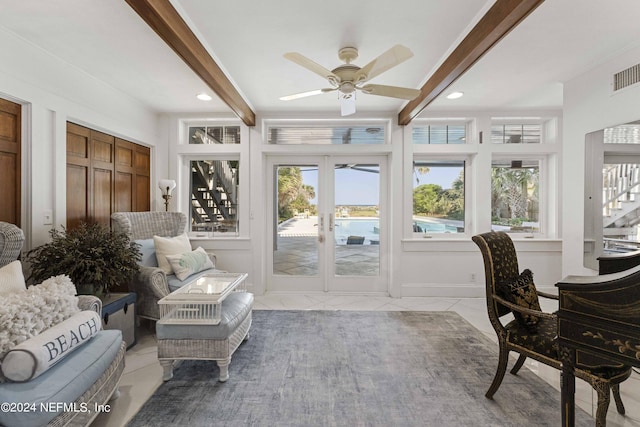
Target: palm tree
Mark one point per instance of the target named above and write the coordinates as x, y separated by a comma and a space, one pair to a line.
511, 186
292, 192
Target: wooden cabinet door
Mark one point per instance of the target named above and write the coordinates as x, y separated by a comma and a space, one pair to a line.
10, 147
142, 179
105, 174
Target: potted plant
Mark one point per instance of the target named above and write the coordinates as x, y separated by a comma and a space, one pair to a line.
95, 258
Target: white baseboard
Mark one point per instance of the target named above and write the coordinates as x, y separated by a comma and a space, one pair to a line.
446, 290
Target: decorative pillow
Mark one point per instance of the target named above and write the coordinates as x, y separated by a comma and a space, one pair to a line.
28, 313
12, 278
522, 291
184, 265
170, 246
148, 251
36, 355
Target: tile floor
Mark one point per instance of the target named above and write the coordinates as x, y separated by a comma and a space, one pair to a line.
143, 373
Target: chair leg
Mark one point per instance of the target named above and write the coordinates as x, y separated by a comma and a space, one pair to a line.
518, 364
616, 397
604, 396
503, 358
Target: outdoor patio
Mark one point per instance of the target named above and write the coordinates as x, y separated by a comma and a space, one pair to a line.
297, 252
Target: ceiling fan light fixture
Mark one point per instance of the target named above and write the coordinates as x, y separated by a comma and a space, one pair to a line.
455, 95
204, 97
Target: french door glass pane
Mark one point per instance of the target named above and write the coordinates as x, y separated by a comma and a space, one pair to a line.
296, 240
357, 216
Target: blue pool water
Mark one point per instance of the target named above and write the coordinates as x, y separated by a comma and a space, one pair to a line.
368, 228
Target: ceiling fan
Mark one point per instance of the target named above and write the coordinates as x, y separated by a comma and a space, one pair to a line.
348, 78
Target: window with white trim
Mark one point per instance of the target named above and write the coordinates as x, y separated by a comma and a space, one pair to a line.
438, 196
211, 155
515, 195
214, 196
440, 134
518, 133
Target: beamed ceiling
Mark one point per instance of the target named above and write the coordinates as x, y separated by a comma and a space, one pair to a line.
505, 55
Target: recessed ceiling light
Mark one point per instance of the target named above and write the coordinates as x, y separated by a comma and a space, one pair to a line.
455, 95
204, 97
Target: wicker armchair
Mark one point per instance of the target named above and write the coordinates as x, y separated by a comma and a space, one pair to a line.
151, 283
501, 267
11, 240
105, 388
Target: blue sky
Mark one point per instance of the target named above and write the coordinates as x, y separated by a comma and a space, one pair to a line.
354, 187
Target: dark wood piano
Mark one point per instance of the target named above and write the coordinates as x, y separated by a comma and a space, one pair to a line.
598, 324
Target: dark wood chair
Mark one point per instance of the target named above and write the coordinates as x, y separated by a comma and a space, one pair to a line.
615, 263
501, 267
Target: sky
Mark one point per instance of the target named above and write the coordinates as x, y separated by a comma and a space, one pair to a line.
354, 187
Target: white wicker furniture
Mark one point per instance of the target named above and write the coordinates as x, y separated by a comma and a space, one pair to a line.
209, 324
151, 283
102, 390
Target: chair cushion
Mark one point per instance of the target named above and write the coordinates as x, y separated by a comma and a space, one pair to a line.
174, 283
235, 309
65, 382
148, 251
543, 340
522, 291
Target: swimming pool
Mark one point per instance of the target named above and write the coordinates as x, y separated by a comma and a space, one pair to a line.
435, 227
366, 227
369, 228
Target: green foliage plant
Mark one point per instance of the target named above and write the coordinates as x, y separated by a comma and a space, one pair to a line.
95, 258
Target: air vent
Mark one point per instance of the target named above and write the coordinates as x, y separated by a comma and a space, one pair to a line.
626, 77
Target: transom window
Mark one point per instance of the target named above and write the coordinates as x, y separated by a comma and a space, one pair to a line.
516, 134
369, 134
440, 134
214, 135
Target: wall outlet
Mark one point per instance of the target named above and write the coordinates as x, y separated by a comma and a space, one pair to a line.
473, 277
47, 217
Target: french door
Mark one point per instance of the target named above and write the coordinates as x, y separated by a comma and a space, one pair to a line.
328, 224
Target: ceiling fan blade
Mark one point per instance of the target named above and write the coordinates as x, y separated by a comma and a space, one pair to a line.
310, 65
305, 94
382, 63
391, 91
347, 104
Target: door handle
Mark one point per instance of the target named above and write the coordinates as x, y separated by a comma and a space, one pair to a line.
321, 228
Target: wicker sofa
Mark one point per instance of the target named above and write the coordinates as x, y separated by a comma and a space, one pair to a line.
87, 377
152, 283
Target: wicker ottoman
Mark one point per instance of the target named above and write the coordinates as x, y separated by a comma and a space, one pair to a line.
207, 342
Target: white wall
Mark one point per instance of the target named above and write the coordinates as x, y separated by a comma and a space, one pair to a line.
52, 92
589, 105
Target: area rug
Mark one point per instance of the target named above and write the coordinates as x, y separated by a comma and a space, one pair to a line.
355, 368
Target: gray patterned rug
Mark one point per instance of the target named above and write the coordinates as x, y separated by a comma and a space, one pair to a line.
355, 368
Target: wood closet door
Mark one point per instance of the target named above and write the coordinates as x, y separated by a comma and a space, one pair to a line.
10, 147
105, 174
133, 174
78, 173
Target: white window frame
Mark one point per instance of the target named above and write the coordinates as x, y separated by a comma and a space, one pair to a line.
468, 161
546, 179
455, 121
184, 153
